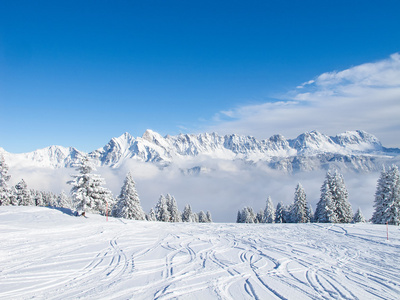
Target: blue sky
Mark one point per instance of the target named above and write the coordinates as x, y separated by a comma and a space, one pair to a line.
76, 73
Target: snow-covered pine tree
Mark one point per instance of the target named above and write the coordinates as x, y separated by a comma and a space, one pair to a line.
287, 216
269, 212
209, 218
279, 213
187, 215
151, 216
382, 192
325, 212
196, 218
5, 191
247, 215
13, 196
162, 213
299, 212
23, 195
251, 215
393, 203
87, 191
53, 199
343, 210
175, 214
387, 198
239, 218
37, 197
128, 203
333, 206
260, 216
358, 217
64, 201
202, 217
310, 213
49, 199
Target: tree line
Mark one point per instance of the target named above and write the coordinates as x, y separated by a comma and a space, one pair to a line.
333, 205
89, 195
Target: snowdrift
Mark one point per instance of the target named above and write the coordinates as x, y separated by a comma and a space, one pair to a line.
48, 254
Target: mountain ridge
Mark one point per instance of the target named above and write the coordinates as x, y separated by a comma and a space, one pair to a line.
356, 150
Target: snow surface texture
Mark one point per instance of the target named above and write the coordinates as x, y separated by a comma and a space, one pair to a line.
46, 254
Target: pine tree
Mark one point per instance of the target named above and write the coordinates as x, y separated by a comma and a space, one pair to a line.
310, 213
325, 212
247, 215
269, 212
151, 216
279, 213
299, 212
5, 191
239, 218
53, 199
187, 215
392, 212
333, 206
128, 203
343, 210
358, 217
175, 214
49, 199
387, 198
13, 197
87, 191
37, 197
286, 212
162, 213
64, 201
196, 218
260, 216
209, 218
23, 195
382, 192
202, 217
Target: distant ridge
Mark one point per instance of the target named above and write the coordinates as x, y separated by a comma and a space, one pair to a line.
354, 150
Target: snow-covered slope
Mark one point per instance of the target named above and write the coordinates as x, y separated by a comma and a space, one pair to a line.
355, 150
46, 254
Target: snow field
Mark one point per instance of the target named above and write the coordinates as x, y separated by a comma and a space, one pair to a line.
46, 254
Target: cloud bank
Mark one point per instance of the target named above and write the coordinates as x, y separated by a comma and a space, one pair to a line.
365, 97
226, 188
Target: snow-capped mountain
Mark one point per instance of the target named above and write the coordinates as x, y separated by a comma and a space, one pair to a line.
355, 150
53, 157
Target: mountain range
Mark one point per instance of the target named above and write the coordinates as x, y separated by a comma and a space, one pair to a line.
353, 150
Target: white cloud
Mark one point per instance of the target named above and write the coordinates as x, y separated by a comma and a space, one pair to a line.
384, 73
363, 97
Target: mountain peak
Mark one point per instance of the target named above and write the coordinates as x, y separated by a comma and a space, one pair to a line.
155, 138
126, 135
151, 135
358, 140
313, 142
124, 141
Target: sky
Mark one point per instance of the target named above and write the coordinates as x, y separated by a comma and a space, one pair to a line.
77, 73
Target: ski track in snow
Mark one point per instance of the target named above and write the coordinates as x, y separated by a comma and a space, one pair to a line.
45, 254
